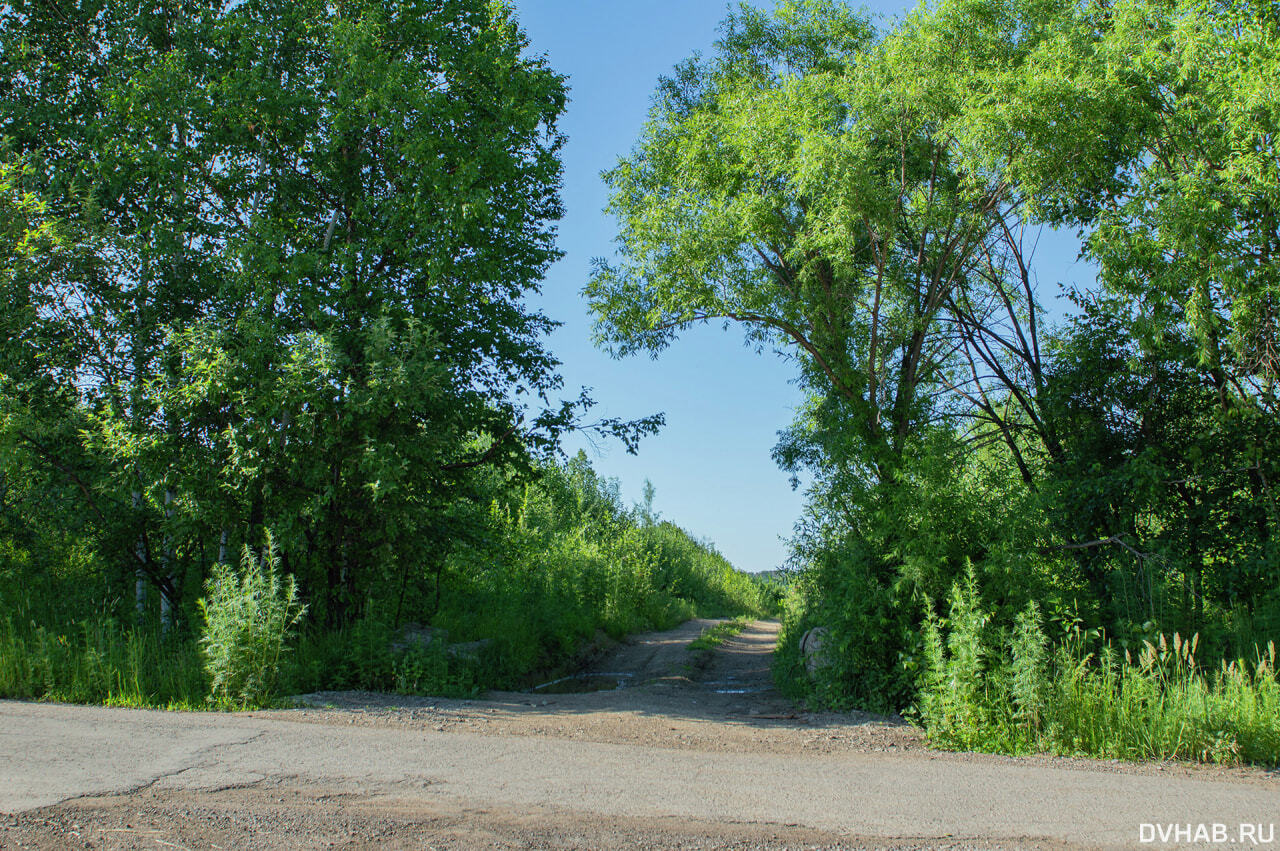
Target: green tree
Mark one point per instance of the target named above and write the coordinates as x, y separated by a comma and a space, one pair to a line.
866, 203
806, 182
300, 238
1152, 127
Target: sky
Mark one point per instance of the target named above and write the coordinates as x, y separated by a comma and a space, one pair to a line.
724, 403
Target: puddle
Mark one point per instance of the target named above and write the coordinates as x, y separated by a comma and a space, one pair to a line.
732, 686
580, 683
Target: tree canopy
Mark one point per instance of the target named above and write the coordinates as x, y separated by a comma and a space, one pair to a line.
267, 265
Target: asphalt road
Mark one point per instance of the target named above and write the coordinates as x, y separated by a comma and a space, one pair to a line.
52, 753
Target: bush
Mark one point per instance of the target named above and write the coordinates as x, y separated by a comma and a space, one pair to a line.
955, 672
868, 644
248, 616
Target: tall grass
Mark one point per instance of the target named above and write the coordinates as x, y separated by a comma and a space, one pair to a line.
99, 661
1083, 696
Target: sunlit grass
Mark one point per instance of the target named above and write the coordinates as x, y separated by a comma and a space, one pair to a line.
99, 661
713, 636
1159, 703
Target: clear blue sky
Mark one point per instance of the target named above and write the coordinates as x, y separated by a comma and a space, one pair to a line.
724, 403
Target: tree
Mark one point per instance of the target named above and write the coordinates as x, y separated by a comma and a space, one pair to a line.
1151, 126
304, 233
1153, 486
809, 182
866, 202
806, 182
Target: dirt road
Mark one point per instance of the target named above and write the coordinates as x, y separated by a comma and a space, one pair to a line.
689, 752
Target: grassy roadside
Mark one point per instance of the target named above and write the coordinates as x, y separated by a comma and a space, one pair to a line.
552, 571
1083, 695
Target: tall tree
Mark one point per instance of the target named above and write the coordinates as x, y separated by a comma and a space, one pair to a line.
305, 233
1151, 127
807, 182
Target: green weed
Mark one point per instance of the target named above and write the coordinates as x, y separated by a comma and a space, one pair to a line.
1084, 697
713, 636
98, 661
248, 616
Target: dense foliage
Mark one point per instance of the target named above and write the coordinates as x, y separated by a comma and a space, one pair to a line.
552, 568
867, 202
265, 269
265, 265
555, 566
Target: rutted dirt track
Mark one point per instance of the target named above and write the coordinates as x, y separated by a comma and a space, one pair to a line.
690, 753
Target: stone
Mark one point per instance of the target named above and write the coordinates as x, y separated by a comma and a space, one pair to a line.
813, 647
469, 649
415, 635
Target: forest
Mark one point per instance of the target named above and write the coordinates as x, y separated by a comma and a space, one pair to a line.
268, 372
276, 415
1039, 518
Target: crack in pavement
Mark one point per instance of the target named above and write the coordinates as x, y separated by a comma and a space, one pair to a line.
205, 758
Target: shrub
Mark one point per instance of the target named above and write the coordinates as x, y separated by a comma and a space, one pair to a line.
955, 674
1029, 669
248, 617
867, 644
